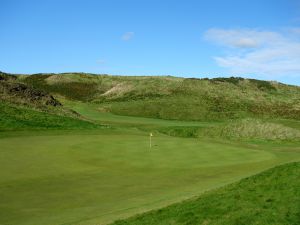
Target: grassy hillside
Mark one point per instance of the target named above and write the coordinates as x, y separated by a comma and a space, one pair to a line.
175, 98
254, 129
13, 91
25, 107
244, 129
272, 197
14, 117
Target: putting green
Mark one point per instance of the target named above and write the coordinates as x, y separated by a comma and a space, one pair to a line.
96, 177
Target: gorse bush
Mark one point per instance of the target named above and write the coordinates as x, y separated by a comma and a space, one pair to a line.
263, 85
233, 80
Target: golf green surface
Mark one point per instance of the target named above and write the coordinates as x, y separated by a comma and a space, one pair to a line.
96, 177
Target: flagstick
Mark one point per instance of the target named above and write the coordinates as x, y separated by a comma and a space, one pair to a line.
150, 139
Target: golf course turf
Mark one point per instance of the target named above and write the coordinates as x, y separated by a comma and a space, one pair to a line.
271, 197
74, 149
98, 176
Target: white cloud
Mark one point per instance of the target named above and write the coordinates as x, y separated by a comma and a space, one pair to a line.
101, 61
127, 36
246, 43
261, 52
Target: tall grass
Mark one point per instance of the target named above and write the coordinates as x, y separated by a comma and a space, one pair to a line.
176, 98
20, 117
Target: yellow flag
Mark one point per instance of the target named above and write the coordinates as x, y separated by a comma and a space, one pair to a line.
151, 134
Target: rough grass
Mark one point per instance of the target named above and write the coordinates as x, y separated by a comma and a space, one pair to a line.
14, 117
20, 94
72, 89
176, 98
253, 129
246, 129
205, 100
271, 197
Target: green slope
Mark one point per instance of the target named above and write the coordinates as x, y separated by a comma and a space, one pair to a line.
272, 197
175, 98
26, 107
13, 117
241, 129
245, 129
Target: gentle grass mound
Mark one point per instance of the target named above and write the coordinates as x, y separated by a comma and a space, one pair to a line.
14, 117
272, 197
254, 129
246, 129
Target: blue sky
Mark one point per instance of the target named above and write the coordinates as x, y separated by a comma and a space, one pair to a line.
204, 38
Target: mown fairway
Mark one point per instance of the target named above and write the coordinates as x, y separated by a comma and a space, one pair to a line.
97, 176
